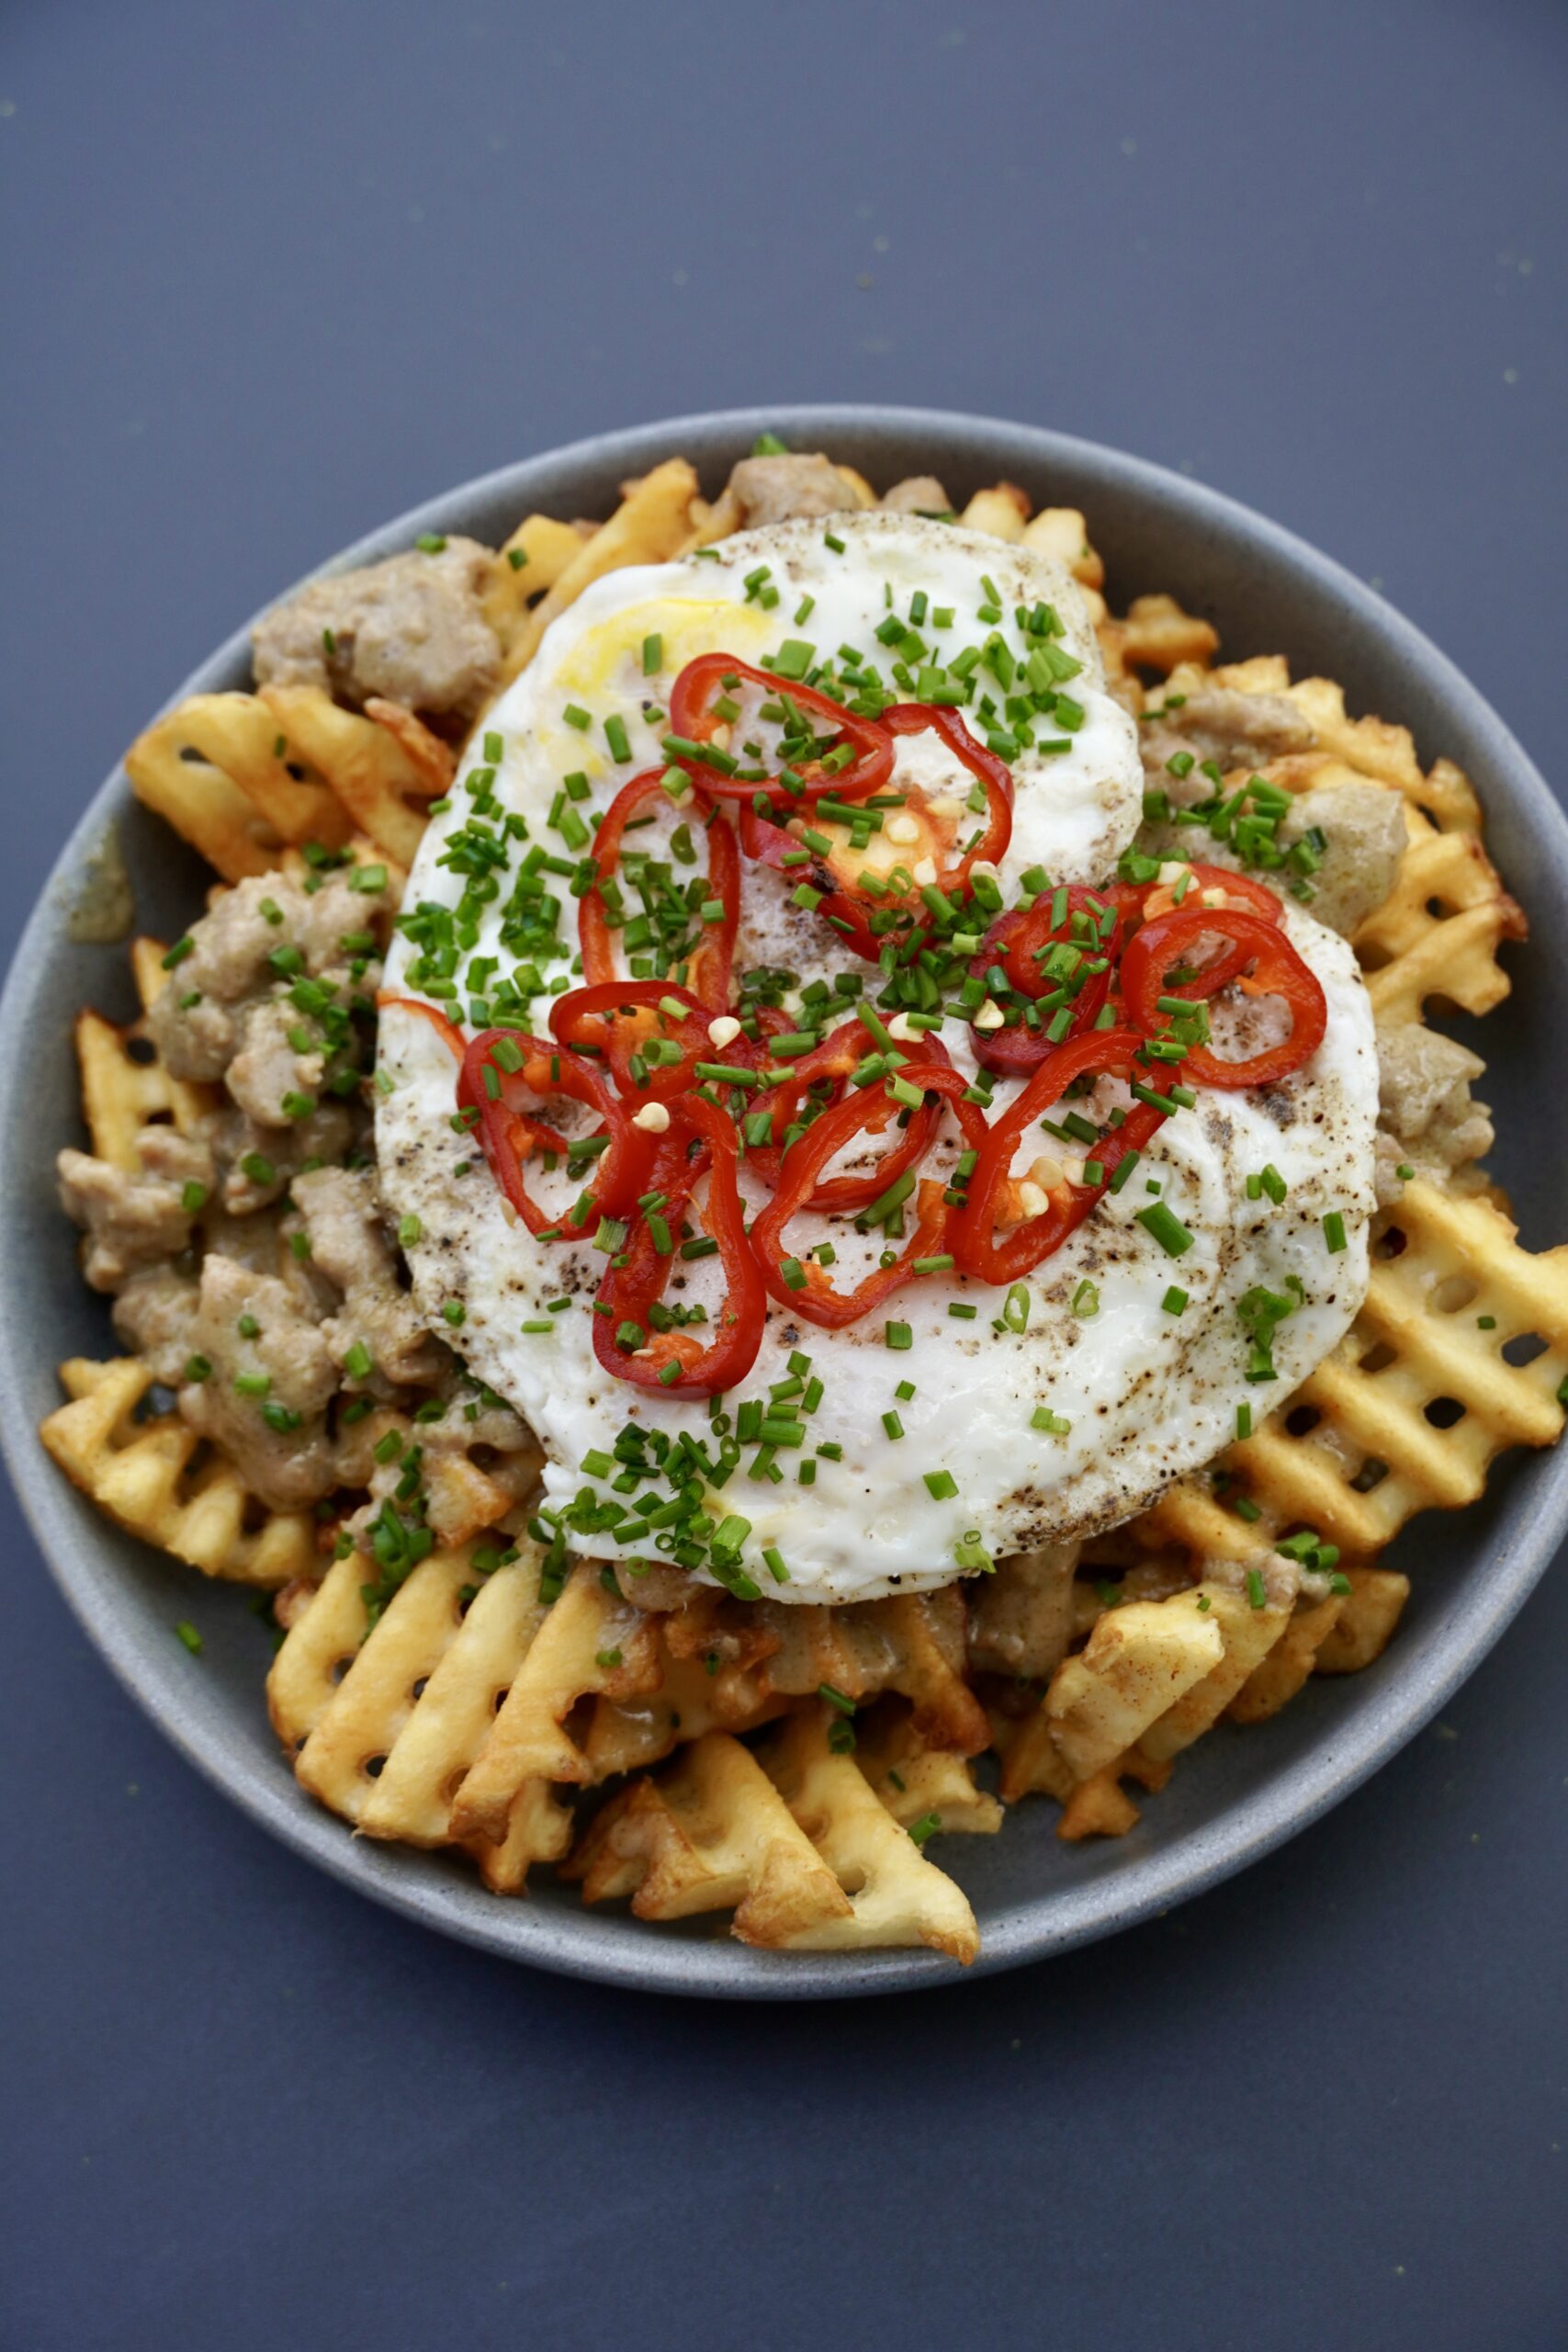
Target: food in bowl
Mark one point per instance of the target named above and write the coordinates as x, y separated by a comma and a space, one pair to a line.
769, 1104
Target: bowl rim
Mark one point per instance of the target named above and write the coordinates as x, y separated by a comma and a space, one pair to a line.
573, 1941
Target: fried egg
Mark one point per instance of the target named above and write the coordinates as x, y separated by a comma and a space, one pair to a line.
962, 1423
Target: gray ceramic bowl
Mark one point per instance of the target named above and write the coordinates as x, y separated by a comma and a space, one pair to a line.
1237, 1794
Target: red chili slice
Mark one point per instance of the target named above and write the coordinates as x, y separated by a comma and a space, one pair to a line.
589, 1017
508, 1131
972, 1236
816, 1301
628, 1291
1258, 957
847, 911
1015, 942
993, 773
711, 961
834, 874
839, 1053
694, 720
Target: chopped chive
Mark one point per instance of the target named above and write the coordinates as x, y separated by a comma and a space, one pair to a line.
1334, 1231
940, 1484
1166, 1229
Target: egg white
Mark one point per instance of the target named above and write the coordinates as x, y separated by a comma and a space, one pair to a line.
1149, 1394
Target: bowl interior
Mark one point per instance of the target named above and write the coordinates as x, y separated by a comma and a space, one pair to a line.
1237, 1793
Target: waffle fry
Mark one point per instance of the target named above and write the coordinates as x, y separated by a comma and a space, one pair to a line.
916, 1781
648, 526
382, 766
1418, 1399
1138, 1662
1438, 932
179, 768
896, 1896
592, 1644
693, 1696
795, 1841
526, 568
1157, 635
124, 1084
1368, 1615
381, 1727
157, 1479
712, 1834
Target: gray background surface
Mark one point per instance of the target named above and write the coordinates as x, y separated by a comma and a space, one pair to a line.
270, 275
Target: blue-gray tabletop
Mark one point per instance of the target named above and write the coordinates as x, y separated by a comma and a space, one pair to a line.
272, 275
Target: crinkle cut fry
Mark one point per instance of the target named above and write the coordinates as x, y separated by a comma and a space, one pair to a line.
242, 777
216, 768
1374, 1457
125, 1086
1438, 932
794, 1840
382, 766
650, 524
140, 1473
593, 1644
382, 1726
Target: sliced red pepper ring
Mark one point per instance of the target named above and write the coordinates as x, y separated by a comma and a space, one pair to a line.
1258, 957
849, 912
837, 1058
694, 720
630, 1289
992, 773
814, 1298
972, 1236
1016, 943
508, 1130
448, 1031
622, 1019
712, 958
863, 911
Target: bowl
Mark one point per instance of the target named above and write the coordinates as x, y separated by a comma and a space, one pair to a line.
1238, 1794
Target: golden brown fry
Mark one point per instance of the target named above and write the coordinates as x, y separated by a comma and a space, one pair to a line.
915, 1781
382, 1726
1138, 1661
380, 770
1000, 512
545, 547
591, 1644
156, 1478
1438, 932
648, 526
711, 1834
124, 1083
1368, 1615
896, 1896
1273, 1683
